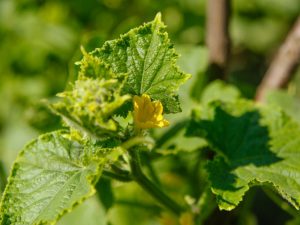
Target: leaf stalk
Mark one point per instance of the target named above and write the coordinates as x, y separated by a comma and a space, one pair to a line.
147, 185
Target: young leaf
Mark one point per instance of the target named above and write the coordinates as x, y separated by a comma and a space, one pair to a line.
51, 175
93, 67
254, 145
89, 107
147, 56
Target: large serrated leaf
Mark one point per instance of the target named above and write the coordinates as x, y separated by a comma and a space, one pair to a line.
147, 56
255, 146
50, 176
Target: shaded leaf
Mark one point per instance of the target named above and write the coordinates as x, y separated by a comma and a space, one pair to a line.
105, 193
254, 145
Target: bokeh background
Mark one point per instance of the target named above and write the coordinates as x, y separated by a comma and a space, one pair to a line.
40, 41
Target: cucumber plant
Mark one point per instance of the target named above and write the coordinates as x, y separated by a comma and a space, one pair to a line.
122, 93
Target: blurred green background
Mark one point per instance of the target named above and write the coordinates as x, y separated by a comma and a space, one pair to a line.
40, 41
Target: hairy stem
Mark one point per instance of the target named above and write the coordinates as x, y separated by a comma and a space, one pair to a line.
147, 185
137, 140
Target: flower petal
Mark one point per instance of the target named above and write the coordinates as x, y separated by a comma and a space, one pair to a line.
148, 114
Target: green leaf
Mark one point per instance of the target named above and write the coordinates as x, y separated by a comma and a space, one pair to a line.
295, 221
93, 67
147, 56
91, 104
90, 212
289, 103
254, 145
219, 91
105, 193
51, 175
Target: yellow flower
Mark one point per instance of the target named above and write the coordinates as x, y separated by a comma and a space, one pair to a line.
148, 114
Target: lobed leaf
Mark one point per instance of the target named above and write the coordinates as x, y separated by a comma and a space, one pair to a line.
255, 146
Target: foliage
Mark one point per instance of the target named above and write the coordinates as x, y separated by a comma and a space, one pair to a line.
148, 58
75, 158
51, 175
123, 153
263, 152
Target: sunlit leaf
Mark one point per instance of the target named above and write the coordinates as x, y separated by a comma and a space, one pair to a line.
147, 56
51, 175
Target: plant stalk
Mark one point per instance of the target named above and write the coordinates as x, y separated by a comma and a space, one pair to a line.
147, 185
119, 177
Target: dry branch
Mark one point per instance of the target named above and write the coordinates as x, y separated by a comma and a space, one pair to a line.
284, 64
218, 40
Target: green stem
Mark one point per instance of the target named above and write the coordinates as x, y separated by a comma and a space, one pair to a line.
205, 206
171, 133
119, 176
151, 170
147, 185
135, 141
138, 205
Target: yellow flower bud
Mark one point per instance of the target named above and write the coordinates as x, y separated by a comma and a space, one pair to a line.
148, 114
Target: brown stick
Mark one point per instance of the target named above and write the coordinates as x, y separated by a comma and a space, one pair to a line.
284, 64
218, 40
